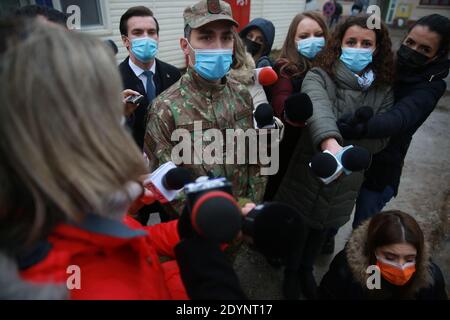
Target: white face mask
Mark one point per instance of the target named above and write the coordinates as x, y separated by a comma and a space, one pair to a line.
396, 264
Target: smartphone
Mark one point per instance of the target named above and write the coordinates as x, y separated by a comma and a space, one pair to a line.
134, 99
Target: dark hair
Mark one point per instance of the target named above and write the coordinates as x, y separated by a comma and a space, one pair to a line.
439, 24
139, 11
53, 15
392, 227
296, 64
187, 31
383, 59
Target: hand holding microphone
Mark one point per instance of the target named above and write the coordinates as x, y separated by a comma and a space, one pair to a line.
265, 76
355, 126
274, 228
329, 167
162, 185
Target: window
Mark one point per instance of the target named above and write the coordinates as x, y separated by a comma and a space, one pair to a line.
93, 13
435, 2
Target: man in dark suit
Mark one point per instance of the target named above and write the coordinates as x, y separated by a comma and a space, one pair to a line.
143, 73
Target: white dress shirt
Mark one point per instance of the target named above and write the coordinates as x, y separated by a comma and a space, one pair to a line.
139, 72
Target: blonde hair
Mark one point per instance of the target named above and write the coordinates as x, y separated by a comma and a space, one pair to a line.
63, 151
240, 53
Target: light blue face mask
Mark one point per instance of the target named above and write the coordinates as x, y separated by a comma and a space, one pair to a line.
310, 47
144, 49
356, 59
212, 64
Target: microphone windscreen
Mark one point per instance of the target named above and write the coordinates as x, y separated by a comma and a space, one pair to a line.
176, 178
298, 107
364, 114
276, 229
263, 115
217, 216
356, 159
111, 44
266, 76
323, 165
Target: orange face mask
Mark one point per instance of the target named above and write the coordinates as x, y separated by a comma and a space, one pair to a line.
395, 273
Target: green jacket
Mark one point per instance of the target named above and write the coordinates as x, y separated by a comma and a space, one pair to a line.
325, 206
223, 106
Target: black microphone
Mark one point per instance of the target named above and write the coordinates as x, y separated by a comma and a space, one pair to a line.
216, 216
298, 107
263, 115
176, 178
323, 165
112, 45
166, 181
356, 159
362, 114
274, 228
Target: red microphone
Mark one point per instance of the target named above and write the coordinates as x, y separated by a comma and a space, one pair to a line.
266, 76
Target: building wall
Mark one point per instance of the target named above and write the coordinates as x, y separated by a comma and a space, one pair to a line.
346, 6
279, 12
422, 11
170, 18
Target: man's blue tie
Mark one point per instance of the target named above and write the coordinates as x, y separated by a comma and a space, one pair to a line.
151, 92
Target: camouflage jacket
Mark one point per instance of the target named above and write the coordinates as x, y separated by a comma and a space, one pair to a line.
227, 105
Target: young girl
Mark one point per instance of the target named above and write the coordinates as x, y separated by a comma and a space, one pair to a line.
355, 69
394, 242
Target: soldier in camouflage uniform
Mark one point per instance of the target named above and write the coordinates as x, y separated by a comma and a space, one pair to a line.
218, 103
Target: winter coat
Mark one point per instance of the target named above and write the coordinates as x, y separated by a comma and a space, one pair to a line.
329, 206
416, 96
123, 260
113, 260
246, 76
280, 91
347, 276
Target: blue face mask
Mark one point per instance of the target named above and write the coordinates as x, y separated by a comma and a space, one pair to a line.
212, 64
144, 49
356, 59
310, 47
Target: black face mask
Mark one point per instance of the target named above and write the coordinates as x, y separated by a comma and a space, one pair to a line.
252, 46
410, 58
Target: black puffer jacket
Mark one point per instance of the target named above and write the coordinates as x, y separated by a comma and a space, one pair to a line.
346, 279
416, 96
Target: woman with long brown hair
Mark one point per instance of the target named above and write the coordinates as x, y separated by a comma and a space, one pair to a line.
355, 69
306, 36
392, 247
